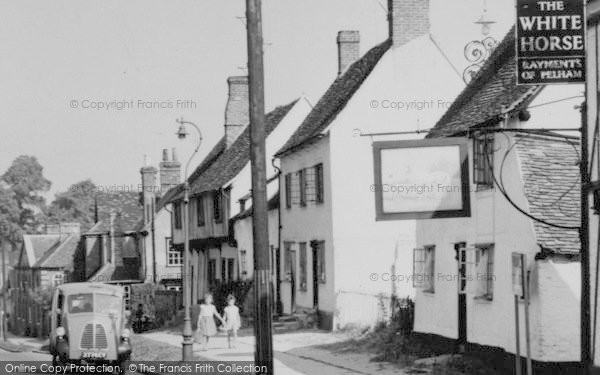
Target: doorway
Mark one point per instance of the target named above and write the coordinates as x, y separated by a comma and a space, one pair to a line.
461, 257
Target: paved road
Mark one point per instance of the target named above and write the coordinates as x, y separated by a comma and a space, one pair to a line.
24, 356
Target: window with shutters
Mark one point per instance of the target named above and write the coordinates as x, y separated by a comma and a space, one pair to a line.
483, 160
218, 206
302, 186
424, 269
288, 190
200, 211
319, 193
484, 272
321, 260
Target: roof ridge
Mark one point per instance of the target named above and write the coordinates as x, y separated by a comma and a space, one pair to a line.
336, 97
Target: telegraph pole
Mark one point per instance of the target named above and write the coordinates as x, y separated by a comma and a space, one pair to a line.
262, 275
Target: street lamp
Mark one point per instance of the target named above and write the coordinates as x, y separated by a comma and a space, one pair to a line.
188, 342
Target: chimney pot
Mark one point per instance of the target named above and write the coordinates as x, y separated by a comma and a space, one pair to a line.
348, 49
237, 109
174, 154
408, 19
165, 154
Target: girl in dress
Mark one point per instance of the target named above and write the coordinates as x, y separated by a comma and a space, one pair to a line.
232, 320
206, 321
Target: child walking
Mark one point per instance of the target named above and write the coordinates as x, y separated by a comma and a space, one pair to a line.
206, 322
232, 320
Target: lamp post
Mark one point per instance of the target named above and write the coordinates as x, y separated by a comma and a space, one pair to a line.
188, 342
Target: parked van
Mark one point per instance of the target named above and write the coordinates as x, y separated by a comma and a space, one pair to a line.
89, 324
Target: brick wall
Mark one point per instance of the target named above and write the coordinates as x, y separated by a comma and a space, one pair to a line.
408, 19
237, 108
348, 48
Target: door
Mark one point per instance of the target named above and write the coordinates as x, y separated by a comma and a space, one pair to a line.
293, 281
461, 256
315, 275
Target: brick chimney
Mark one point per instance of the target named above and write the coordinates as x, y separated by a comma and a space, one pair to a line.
348, 49
408, 19
237, 115
149, 188
170, 171
116, 238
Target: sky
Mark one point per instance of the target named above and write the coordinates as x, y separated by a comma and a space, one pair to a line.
149, 62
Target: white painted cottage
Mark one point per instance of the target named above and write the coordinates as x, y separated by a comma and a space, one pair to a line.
331, 242
466, 263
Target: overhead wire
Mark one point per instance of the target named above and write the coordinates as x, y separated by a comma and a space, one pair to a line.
501, 188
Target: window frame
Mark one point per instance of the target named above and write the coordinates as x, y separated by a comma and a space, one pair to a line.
172, 251
200, 215
319, 184
218, 206
302, 186
488, 281
288, 191
483, 160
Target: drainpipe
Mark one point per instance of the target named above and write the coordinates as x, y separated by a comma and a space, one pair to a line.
152, 230
279, 226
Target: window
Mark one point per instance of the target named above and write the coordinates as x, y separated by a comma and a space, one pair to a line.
484, 275
483, 160
177, 215
319, 183
217, 206
424, 268
223, 269
319, 247
303, 272
200, 211
212, 271
243, 263
288, 190
58, 278
174, 256
302, 186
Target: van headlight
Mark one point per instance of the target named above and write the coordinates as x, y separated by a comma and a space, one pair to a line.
60, 331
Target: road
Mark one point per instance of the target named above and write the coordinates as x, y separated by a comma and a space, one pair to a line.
34, 356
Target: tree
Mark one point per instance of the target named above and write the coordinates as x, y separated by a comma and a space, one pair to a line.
10, 231
26, 180
74, 205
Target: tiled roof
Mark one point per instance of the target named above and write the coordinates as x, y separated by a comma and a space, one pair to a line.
233, 159
272, 204
126, 203
550, 170
61, 256
482, 101
336, 97
41, 243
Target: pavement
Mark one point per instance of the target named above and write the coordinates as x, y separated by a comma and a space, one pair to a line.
295, 353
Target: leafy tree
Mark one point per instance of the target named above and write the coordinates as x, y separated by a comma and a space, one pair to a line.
74, 205
10, 231
26, 180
